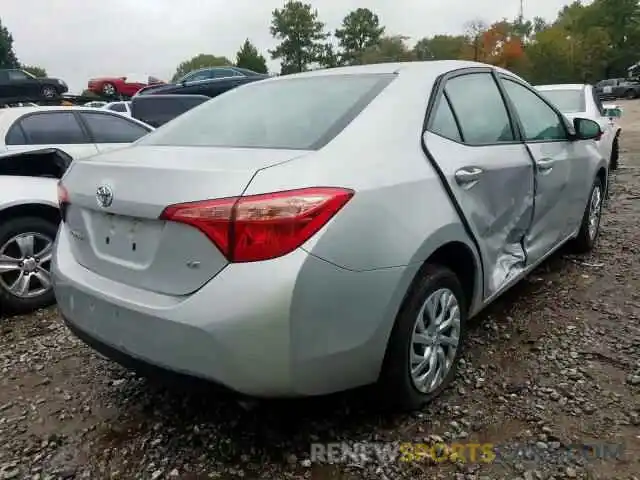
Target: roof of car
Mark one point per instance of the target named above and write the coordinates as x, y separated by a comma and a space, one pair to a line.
563, 86
441, 66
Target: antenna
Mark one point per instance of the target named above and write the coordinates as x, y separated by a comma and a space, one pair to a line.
521, 13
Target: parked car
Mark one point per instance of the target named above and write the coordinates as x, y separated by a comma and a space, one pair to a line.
29, 219
20, 86
156, 110
583, 101
618, 88
304, 244
126, 86
210, 74
120, 107
78, 131
208, 88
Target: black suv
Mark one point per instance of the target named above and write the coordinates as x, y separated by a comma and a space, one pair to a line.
18, 85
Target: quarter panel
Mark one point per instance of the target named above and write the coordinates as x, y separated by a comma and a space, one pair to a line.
27, 190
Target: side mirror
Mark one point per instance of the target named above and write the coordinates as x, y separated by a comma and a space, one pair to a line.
586, 129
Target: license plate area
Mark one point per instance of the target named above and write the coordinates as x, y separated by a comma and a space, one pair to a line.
122, 238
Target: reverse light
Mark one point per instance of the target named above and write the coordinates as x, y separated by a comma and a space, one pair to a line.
261, 227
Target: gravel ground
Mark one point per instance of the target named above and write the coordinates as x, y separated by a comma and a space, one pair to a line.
555, 362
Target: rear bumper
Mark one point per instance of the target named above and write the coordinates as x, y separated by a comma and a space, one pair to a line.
292, 326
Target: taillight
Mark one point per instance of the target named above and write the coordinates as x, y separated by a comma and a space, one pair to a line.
261, 227
63, 200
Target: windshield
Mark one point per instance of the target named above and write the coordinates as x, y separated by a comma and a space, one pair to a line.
567, 101
296, 113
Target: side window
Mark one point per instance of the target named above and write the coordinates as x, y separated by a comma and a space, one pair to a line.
17, 75
539, 120
224, 73
107, 128
15, 136
444, 123
118, 107
53, 128
479, 107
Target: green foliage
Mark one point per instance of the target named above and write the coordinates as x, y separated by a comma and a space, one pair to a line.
35, 71
8, 57
249, 57
440, 47
360, 31
199, 61
389, 49
301, 35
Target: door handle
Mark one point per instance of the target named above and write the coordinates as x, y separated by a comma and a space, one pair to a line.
545, 164
467, 177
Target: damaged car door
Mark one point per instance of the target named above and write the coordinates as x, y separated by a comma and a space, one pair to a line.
486, 167
560, 181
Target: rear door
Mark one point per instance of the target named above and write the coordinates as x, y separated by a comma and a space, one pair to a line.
7, 88
51, 129
490, 175
111, 131
560, 173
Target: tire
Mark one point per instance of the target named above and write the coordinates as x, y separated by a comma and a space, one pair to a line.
396, 382
615, 154
48, 92
109, 90
586, 239
44, 232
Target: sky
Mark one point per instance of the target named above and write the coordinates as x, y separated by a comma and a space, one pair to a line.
80, 39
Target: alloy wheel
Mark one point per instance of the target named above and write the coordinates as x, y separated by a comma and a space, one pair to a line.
25, 262
595, 208
435, 340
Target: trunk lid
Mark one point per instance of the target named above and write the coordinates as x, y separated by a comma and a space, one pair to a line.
126, 242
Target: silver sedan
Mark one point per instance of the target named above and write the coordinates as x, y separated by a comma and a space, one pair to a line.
321, 231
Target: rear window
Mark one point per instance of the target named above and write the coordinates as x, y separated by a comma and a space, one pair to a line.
567, 101
297, 113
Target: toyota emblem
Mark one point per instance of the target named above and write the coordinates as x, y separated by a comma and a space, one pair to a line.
104, 196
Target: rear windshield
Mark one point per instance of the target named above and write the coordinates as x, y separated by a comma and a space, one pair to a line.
297, 113
567, 101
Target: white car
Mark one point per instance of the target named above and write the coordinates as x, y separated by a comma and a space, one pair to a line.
577, 100
78, 131
120, 107
29, 219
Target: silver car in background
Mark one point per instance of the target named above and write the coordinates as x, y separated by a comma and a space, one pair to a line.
321, 231
577, 100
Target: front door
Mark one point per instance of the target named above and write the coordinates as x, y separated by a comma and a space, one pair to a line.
487, 168
559, 177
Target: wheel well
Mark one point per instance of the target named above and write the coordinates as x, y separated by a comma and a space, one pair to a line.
458, 257
39, 210
602, 175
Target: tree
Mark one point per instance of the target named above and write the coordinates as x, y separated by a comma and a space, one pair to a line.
501, 46
200, 61
8, 57
440, 47
35, 71
474, 30
301, 34
388, 49
249, 57
360, 30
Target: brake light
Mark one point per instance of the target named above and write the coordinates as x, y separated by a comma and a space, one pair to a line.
261, 227
63, 199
